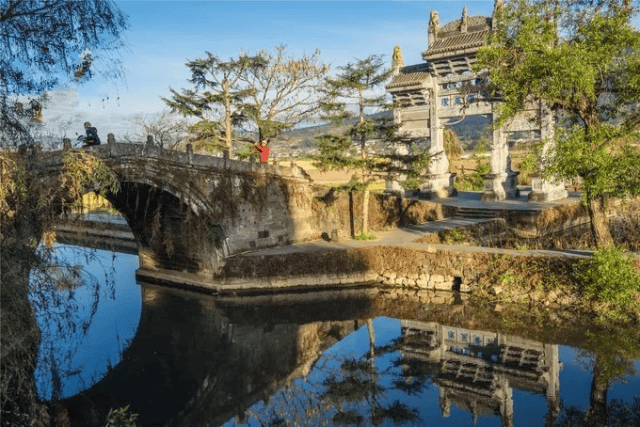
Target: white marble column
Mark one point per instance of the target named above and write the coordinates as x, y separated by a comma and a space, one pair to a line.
393, 186
439, 182
501, 182
543, 190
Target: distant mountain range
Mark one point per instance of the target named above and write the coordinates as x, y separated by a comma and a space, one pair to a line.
469, 131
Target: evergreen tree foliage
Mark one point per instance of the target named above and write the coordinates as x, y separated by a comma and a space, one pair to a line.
217, 98
355, 86
582, 58
264, 93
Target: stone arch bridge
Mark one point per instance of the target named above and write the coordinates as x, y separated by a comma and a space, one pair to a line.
188, 211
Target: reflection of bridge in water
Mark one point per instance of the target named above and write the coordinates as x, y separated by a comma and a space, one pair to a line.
477, 370
198, 361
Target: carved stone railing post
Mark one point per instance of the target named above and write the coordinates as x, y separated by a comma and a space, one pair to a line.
189, 153
111, 143
66, 144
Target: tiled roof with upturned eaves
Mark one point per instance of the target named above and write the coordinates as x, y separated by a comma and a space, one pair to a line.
459, 41
410, 76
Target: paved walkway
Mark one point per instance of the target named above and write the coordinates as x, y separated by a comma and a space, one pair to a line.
404, 237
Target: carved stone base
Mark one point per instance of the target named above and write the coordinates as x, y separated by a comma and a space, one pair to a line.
545, 191
500, 186
393, 187
439, 186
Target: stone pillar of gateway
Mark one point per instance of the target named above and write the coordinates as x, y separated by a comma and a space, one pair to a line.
444, 90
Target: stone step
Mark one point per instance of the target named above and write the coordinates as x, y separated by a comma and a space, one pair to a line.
462, 212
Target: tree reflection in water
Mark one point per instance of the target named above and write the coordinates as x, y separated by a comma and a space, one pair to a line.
351, 390
65, 296
608, 351
477, 371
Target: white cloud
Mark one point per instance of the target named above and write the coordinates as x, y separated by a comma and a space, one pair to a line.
65, 113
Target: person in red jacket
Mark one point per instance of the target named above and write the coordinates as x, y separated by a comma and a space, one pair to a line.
263, 151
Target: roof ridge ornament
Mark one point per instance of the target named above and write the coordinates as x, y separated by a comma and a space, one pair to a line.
396, 60
464, 22
434, 26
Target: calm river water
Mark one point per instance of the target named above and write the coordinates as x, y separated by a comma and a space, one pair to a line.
186, 359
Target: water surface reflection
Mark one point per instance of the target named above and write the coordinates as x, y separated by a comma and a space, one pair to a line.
88, 310
353, 357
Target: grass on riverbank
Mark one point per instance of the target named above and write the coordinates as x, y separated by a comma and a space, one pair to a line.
607, 284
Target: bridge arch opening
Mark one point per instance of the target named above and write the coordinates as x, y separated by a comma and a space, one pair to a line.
170, 233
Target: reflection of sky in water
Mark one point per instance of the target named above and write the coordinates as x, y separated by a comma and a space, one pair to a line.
529, 407
84, 357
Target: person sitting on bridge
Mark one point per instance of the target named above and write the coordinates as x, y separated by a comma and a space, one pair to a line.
263, 150
92, 136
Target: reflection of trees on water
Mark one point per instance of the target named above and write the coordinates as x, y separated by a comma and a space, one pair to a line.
609, 352
353, 390
473, 370
358, 383
618, 414
53, 288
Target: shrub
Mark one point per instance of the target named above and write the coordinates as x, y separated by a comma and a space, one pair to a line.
474, 181
411, 184
528, 165
483, 146
365, 236
452, 145
609, 276
454, 235
121, 417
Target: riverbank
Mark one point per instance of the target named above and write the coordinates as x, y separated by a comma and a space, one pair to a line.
414, 258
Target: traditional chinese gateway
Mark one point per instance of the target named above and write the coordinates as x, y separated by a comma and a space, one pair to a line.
443, 89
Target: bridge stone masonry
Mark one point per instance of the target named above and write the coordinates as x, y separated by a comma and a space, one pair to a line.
188, 212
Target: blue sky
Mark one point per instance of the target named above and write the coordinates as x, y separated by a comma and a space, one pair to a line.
163, 35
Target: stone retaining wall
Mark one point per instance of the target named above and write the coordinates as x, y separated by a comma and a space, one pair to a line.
428, 269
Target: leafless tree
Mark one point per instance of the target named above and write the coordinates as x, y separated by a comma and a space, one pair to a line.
167, 130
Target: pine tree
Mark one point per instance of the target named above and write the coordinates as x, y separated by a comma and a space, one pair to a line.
355, 86
264, 93
218, 86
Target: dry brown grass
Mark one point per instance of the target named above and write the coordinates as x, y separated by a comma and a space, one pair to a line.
624, 228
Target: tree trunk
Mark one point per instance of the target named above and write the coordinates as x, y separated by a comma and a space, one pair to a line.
227, 124
352, 221
372, 340
599, 226
597, 411
365, 211
372, 370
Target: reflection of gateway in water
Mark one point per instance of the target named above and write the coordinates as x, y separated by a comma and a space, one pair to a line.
477, 370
